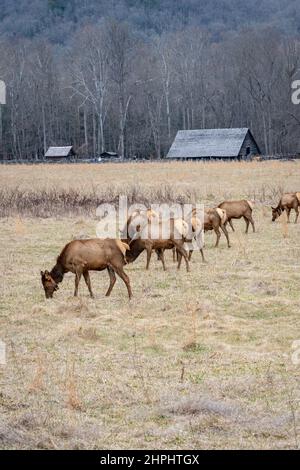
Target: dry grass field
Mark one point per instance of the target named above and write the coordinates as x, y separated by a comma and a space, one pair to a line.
196, 360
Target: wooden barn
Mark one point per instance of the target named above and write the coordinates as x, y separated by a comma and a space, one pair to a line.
60, 153
209, 144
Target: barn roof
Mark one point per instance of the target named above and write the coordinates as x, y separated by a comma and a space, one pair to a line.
208, 143
58, 151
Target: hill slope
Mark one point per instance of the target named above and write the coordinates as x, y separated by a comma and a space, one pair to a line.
58, 19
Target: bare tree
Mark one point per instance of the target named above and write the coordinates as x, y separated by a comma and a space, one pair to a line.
121, 49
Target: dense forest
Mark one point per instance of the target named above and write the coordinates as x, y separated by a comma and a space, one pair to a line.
125, 75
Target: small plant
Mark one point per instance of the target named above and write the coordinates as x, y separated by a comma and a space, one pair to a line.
73, 400
38, 380
284, 225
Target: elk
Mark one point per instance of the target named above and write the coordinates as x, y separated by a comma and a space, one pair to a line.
159, 236
81, 256
137, 218
236, 210
196, 235
288, 201
215, 219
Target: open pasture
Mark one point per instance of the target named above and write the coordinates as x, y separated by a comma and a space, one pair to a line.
196, 360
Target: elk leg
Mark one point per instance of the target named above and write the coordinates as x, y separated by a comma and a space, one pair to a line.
112, 280
161, 257
87, 279
297, 214
217, 231
77, 279
149, 253
125, 278
247, 223
181, 251
288, 214
252, 223
202, 254
174, 254
224, 230
231, 224
179, 259
190, 254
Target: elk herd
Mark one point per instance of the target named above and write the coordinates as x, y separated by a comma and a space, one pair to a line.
147, 230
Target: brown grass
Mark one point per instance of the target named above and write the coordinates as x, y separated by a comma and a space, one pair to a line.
196, 360
68, 190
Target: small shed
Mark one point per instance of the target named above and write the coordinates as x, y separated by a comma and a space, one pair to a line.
60, 153
107, 155
207, 144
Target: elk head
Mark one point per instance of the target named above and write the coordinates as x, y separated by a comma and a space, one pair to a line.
50, 286
276, 212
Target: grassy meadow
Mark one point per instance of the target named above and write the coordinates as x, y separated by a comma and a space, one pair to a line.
199, 360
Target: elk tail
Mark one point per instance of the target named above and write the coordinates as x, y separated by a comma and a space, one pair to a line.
250, 204
123, 247
222, 214
182, 227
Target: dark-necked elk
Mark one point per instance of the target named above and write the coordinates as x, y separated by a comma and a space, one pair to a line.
81, 256
215, 219
236, 210
288, 201
158, 235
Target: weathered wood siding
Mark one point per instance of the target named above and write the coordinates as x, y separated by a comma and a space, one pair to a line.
250, 143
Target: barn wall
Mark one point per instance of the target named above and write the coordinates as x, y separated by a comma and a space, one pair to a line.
249, 142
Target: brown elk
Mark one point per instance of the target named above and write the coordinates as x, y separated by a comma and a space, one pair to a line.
81, 256
288, 201
215, 219
134, 221
159, 236
196, 235
236, 210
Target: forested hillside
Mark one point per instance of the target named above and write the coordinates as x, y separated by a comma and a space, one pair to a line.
125, 75
57, 19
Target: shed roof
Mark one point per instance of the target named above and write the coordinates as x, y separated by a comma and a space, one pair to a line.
208, 143
110, 154
59, 151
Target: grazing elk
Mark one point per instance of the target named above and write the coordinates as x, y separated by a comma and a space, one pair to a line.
288, 201
81, 256
215, 219
238, 209
196, 235
159, 236
135, 220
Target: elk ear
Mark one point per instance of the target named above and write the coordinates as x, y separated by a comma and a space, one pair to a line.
42, 273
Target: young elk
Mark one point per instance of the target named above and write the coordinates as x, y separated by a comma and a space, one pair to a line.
81, 256
238, 209
288, 201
